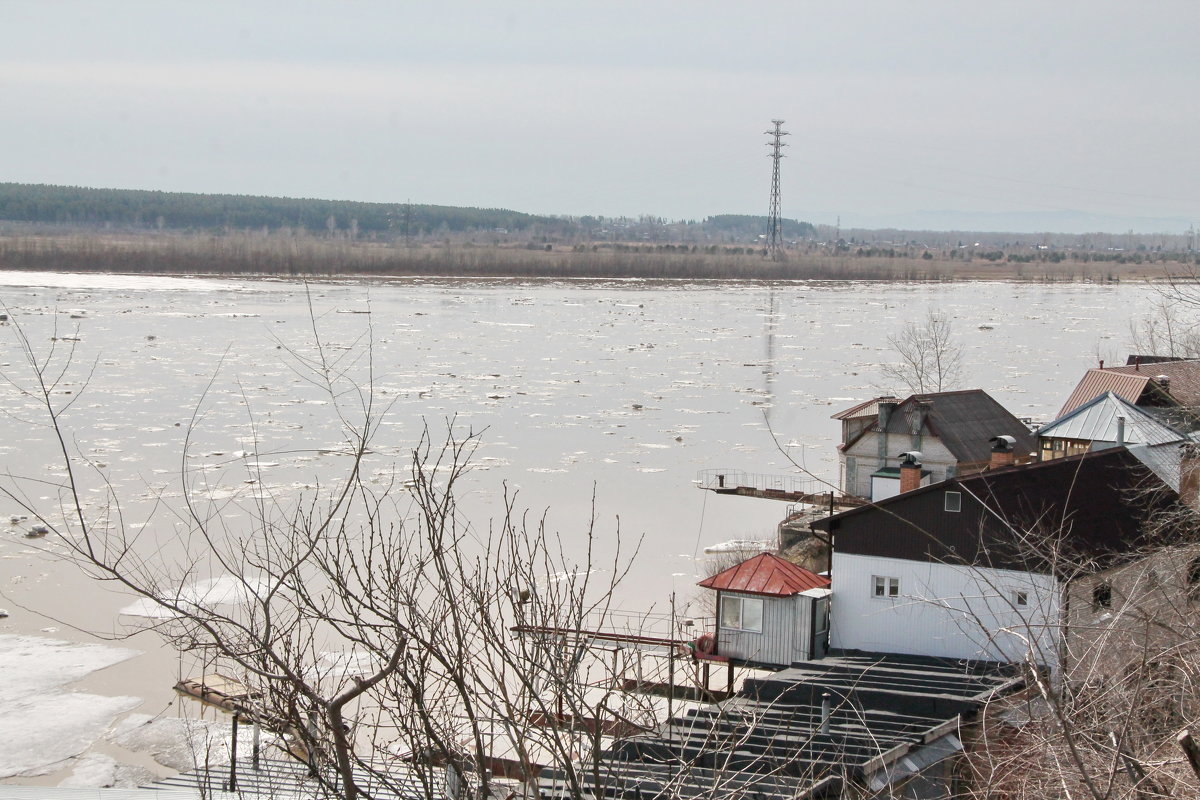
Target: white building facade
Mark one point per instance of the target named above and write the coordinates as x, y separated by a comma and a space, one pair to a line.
893, 605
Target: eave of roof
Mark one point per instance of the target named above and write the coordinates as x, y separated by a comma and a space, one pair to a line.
768, 575
867, 408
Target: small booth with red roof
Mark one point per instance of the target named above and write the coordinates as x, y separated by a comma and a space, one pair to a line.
770, 612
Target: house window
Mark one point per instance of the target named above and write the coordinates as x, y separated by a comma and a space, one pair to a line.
742, 613
882, 586
1102, 595
954, 501
1020, 598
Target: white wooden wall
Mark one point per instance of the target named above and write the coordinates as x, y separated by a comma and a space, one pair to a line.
786, 635
944, 610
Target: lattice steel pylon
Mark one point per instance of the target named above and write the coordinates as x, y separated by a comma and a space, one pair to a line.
774, 221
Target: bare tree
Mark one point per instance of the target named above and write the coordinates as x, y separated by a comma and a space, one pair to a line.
1168, 330
368, 619
930, 358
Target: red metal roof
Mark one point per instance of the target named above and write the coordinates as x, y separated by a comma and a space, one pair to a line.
867, 408
766, 574
1097, 382
1129, 383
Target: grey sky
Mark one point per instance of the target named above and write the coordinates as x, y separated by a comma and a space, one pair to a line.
617, 107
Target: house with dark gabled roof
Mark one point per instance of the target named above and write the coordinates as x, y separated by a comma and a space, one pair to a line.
971, 567
952, 431
770, 612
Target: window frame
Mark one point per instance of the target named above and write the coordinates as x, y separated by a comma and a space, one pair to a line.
957, 496
885, 587
741, 602
1020, 598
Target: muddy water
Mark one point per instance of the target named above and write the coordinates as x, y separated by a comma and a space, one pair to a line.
619, 390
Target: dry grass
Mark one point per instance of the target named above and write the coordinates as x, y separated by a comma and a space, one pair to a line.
309, 256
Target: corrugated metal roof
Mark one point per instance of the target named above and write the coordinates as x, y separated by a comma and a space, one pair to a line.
1184, 377
1162, 459
1129, 383
869, 408
766, 574
1096, 421
1097, 382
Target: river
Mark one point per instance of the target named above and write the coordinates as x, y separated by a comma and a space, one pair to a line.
618, 390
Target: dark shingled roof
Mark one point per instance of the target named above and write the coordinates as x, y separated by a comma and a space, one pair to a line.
766, 574
965, 421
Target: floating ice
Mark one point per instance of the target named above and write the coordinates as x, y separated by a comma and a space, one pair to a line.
226, 590
40, 724
739, 546
180, 743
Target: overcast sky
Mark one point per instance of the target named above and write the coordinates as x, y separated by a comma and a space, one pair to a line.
618, 108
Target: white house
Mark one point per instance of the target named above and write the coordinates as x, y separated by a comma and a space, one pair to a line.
966, 568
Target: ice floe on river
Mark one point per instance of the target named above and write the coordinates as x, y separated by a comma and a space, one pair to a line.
42, 723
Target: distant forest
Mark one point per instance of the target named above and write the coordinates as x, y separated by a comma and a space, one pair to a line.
132, 209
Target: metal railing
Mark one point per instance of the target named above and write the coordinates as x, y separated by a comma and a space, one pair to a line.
763, 482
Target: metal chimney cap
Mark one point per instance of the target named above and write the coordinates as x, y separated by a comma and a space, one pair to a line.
1003, 443
910, 459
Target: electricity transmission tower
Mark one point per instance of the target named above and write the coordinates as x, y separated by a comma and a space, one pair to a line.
774, 222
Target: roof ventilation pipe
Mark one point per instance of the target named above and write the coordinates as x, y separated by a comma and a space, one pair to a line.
1120, 431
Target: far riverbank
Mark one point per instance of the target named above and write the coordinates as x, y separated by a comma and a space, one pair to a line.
303, 255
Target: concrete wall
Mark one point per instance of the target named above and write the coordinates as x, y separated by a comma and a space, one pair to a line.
858, 462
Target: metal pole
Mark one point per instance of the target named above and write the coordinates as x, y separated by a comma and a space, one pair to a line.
671, 671
233, 756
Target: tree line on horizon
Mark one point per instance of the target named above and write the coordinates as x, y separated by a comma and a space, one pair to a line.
137, 209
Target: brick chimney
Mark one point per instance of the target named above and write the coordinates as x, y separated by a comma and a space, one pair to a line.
910, 471
1003, 452
1189, 474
